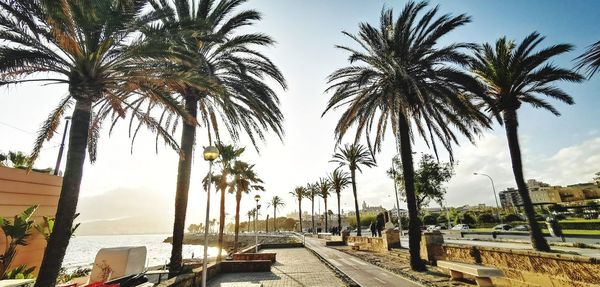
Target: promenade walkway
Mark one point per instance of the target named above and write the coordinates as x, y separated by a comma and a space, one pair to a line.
362, 272
294, 267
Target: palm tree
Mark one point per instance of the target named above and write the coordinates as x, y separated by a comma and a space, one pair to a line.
324, 186
92, 47
590, 60
275, 202
299, 193
339, 180
227, 155
354, 156
244, 180
250, 215
208, 40
311, 192
517, 74
401, 74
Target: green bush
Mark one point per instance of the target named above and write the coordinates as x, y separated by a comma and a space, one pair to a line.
430, 218
486, 218
512, 218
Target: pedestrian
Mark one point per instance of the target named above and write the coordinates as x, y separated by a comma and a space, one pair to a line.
380, 224
554, 228
373, 228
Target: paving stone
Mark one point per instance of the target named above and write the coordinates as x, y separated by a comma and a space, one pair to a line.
294, 267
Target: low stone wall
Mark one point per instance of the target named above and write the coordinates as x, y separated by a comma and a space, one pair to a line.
324, 235
529, 268
390, 239
255, 256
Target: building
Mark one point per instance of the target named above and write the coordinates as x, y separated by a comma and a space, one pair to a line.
510, 198
541, 193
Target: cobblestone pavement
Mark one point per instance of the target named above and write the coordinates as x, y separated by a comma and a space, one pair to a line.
294, 267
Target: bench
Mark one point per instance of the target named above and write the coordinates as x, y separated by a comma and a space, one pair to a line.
482, 273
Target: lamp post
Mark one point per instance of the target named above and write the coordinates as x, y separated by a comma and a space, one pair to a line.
397, 201
495, 198
210, 154
257, 199
62, 147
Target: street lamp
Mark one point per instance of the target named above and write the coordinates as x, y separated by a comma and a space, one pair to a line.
397, 201
210, 154
495, 198
257, 199
62, 147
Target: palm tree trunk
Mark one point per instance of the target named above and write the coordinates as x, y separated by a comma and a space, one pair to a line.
267, 224
221, 226
69, 195
274, 218
511, 125
300, 213
238, 198
339, 213
326, 214
414, 224
358, 227
188, 137
312, 212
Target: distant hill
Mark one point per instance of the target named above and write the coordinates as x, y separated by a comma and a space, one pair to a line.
125, 211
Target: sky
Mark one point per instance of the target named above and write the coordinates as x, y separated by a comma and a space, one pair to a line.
557, 150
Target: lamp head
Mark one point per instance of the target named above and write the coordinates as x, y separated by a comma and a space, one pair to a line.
210, 153
67, 118
475, 173
257, 198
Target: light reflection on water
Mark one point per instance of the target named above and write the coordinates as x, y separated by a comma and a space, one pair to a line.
82, 249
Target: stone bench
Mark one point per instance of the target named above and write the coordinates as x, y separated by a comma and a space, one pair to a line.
255, 256
482, 273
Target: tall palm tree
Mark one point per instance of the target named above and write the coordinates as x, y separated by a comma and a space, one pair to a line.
250, 215
339, 180
92, 47
590, 60
402, 75
324, 186
299, 193
311, 192
275, 202
354, 156
244, 180
518, 74
209, 41
227, 155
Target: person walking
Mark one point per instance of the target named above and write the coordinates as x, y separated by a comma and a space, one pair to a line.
373, 228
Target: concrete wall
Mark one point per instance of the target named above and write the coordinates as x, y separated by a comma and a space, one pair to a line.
20, 190
530, 268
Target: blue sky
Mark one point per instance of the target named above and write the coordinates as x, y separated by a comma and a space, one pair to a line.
559, 150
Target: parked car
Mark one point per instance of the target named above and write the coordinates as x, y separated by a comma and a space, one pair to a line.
433, 227
520, 228
461, 227
502, 227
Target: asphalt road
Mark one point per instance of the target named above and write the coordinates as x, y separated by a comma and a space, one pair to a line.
526, 237
362, 272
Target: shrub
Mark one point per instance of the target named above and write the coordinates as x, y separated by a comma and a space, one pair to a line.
512, 217
486, 218
430, 218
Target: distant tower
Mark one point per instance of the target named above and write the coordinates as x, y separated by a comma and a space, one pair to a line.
364, 205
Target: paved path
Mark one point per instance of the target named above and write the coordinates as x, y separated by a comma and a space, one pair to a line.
294, 267
362, 272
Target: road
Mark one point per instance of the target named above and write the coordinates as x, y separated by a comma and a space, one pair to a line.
362, 272
525, 237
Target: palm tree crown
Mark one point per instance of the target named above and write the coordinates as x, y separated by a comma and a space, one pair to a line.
354, 156
275, 202
590, 60
519, 74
